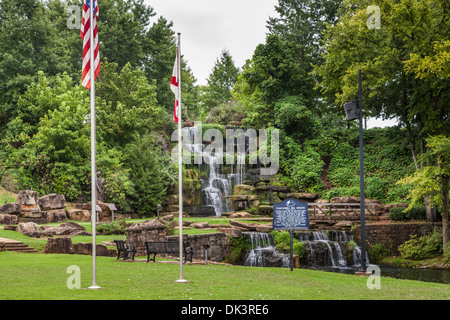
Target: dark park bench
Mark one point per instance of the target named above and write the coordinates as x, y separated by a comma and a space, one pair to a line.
168, 247
127, 251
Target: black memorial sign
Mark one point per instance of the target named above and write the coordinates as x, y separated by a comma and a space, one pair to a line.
290, 214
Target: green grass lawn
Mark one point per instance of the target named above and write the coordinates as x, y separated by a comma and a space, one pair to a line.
25, 276
38, 276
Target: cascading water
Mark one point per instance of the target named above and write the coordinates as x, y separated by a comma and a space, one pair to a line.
330, 249
218, 185
263, 252
323, 249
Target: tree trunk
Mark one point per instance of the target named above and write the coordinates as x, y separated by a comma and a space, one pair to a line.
430, 211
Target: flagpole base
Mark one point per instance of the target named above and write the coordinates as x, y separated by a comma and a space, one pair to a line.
181, 281
94, 287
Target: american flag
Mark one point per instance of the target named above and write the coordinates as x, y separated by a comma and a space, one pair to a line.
85, 34
174, 87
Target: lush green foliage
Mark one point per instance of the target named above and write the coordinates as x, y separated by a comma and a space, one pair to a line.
423, 247
377, 252
283, 243
115, 227
239, 248
414, 213
151, 174
221, 81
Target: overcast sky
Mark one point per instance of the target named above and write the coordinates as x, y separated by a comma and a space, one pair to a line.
208, 26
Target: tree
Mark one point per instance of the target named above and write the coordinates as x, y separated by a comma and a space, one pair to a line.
282, 66
221, 80
126, 105
301, 23
149, 172
386, 57
161, 51
272, 74
433, 181
123, 29
27, 45
55, 156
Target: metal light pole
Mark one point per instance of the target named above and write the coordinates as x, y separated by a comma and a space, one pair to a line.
361, 179
352, 114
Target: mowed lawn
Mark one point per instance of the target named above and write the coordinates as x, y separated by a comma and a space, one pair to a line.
35, 276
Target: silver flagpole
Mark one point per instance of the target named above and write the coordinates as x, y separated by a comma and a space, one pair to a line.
180, 161
93, 169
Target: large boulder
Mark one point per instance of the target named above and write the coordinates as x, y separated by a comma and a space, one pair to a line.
240, 215
27, 197
57, 215
59, 245
34, 214
103, 215
29, 229
79, 215
24, 208
52, 201
349, 199
8, 219
69, 228
73, 225
232, 232
86, 248
243, 189
10, 208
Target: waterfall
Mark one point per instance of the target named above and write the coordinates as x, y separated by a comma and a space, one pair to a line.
217, 186
240, 169
324, 249
263, 252
329, 249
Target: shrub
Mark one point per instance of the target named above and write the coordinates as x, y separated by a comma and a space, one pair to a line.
415, 213
283, 244
375, 188
239, 247
299, 249
447, 255
115, 227
397, 214
377, 252
427, 246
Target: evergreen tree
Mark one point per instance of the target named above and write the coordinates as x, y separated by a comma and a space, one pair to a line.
221, 80
147, 171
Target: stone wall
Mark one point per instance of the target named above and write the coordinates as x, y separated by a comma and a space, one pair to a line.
218, 245
138, 233
392, 235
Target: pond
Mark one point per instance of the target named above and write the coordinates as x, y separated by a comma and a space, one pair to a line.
427, 275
